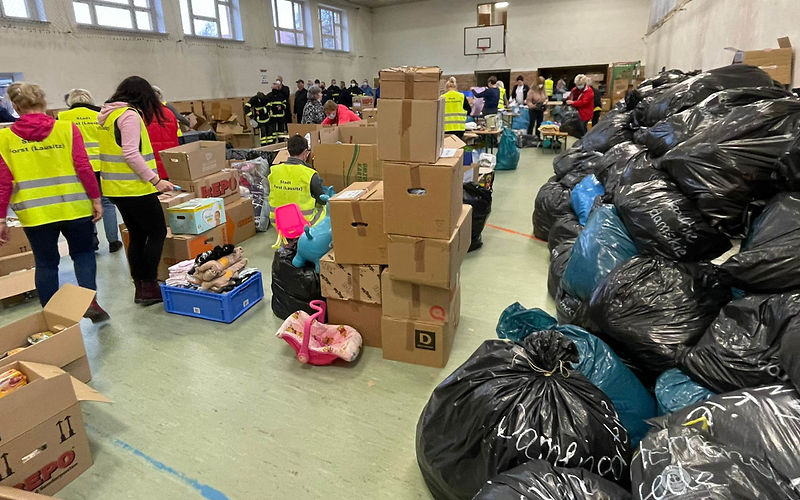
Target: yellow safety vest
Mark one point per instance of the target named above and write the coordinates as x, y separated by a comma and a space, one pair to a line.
454, 114
291, 183
501, 103
117, 178
548, 87
86, 121
46, 187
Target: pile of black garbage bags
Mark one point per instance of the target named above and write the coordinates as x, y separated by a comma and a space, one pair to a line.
672, 368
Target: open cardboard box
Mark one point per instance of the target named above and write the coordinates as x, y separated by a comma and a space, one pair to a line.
194, 160
65, 349
44, 445
777, 63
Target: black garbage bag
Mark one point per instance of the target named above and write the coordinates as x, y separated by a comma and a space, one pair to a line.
692, 91
769, 260
559, 258
481, 200
608, 132
739, 445
292, 288
640, 168
609, 168
572, 166
539, 480
662, 221
571, 122
649, 308
740, 348
789, 360
571, 310
668, 77
552, 202
564, 230
510, 403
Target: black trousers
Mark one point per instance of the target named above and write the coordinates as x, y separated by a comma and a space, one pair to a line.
147, 230
537, 117
595, 118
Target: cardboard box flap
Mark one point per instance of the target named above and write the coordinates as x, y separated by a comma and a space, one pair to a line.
453, 142
9, 493
784, 43
82, 391
69, 303
412, 73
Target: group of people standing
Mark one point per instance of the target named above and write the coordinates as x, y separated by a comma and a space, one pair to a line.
62, 176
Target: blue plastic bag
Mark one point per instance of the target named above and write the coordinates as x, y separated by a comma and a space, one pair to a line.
603, 244
598, 363
522, 121
675, 391
583, 196
507, 152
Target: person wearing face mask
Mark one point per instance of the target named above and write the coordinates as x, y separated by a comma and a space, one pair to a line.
536, 100
313, 112
582, 98
366, 89
346, 97
333, 92
337, 114
295, 182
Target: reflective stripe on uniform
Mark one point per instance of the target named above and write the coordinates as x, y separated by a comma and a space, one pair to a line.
49, 181
116, 176
304, 212
94, 157
92, 144
50, 200
121, 158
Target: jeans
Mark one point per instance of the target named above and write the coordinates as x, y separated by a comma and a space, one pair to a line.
145, 222
44, 243
537, 117
109, 217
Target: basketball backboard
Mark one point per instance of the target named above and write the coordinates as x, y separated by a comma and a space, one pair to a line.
479, 40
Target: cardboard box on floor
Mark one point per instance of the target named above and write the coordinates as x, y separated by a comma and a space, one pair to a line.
197, 216
411, 82
340, 165
777, 63
221, 110
168, 200
65, 349
357, 224
243, 140
428, 261
16, 262
186, 107
364, 317
421, 342
361, 283
9, 493
194, 160
44, 444
402, 299
222, 184
17, 282
240, 220
410, 130
429, 192
230, 126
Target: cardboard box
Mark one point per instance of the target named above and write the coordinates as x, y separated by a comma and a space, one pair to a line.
470, 171
180, 247
194, 160
777, 63
16, 262
364, 317
244, 140
361, 102
357, 224
65, 349
605, 104
361, 283
172, 199
198, 122
303, 128
425, 199
240, 223
428, 261
410, 130
420, 342
10, 493
402, 299
222, 184
229, 126
340, 165
17, 241
358, 133
369, 115
186, 107
17, 282
223, 110
44, 444
197, 216
411, 82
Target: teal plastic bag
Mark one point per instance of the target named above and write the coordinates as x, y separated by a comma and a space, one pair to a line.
583, 196
507, 152
598, 363
522, 121
675, 391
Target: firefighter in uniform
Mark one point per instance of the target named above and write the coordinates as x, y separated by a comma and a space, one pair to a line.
277, 109
257, 111
295, 182
456, 109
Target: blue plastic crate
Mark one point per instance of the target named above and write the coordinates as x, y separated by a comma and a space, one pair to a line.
222, 307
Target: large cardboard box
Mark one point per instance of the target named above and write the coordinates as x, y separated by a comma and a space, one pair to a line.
242, 140
410, 130
229, 126
65, 349
180, 247
222, 110
240, 223
339, 165
420, 342
370, 115
303, 128
357, 224
424, 199
186, 107
168, 200
361, 102
361, 283
17, 282
428, 261
402, 299
358, 133
197, 216
364, 317
194, 160
16, 262
777, 63
44, 444
222, 184
17, 241
411, 82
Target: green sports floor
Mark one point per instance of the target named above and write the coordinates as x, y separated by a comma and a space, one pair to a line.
206, 410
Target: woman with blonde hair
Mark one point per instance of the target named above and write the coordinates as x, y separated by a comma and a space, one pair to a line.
582, 98
536, 100
456, 109
46, 176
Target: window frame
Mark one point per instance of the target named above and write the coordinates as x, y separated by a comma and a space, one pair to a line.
343, 27
234, 21
35, 10
153, 10
305, 25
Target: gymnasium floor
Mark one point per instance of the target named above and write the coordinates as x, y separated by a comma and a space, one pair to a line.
205, 410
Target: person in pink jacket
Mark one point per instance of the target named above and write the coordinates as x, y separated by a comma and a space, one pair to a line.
337, 114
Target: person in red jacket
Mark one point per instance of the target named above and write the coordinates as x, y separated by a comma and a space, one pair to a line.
163, 134
337, 114
582, 98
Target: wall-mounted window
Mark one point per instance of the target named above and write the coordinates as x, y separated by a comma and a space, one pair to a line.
333, 28
212, 19
138, 15
492, 14
22, 9
292, 24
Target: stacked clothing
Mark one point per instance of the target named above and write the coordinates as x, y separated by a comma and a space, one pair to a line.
179, 274
219, 270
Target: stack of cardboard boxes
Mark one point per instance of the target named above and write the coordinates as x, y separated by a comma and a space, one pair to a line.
16, 263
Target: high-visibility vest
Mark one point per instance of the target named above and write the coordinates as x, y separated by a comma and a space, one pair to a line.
117, 178
46, 187
455, 116
501, 102
291, 183
548, 87
86, 121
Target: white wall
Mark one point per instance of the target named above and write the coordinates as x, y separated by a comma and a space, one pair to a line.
696, 36
541, 33
61, 55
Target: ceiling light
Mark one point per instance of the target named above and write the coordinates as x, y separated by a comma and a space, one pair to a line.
501, 5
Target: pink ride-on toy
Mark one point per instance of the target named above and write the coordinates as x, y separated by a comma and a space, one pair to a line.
317, 343
289, 223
